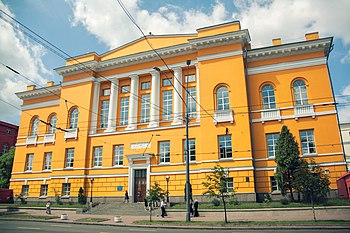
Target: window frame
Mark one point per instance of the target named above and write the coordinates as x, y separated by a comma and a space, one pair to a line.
125, 89
274, 143
104, 111
225, 152
5, 148
97, 160
47, 162
52, 126
118, 155
167, 82
69, 158
273, 183
145, 85
188, 78
73, 118
145, 108
29, 162
300, 93
222, 99
44, 188
106, 92
25, 190
230, 184
191, 95
34, 126
191, 150
164, 152
66, 188
167, 105
305, 146
268, 99
124, 111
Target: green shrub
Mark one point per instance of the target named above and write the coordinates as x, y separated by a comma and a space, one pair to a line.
215, 202
284, 201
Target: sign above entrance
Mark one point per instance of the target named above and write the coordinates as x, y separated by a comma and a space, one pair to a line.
140, 145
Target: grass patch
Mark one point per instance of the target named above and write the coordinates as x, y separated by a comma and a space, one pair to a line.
92, 220
254, 205
244, 223
27, 216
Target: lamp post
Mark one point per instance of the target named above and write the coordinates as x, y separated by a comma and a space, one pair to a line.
312, 193
167, 188
92, 181
188, 185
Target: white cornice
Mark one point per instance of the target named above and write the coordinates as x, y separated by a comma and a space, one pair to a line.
40, 92
219, 55
289, 49
78, 81
41, 105
88, 66
287, 65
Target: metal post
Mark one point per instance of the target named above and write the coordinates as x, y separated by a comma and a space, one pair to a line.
167, 188
91, 180
188, 185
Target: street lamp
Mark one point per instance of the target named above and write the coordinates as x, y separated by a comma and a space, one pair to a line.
311, 187
167, 188
92, 181
188, 185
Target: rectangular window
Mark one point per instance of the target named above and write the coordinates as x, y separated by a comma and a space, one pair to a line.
164, 152
273, 183
229, 185
29, 162
25, 190
308, 145
118, 155
43, 190
124, 110
104, 113
167, 82
191, 102
47, 160
225, 146
190, 78
145, 107
167, 105
106, 92
271, 140
69, 158
98, 156
65, 189
192, 150
125, 89
145, 85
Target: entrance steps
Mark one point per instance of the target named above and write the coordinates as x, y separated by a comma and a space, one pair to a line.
120, 209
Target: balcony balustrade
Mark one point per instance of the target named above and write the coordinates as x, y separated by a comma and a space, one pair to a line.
32, 140
49, 138
71, 133
223, 116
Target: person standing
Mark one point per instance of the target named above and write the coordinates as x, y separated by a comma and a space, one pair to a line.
48, 207
162, 206
196, 204
126, 199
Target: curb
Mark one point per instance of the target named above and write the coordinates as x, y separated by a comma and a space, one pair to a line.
198, 227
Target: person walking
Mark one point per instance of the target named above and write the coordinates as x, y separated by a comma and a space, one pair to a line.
126, 199
196, 204
191, 207
162, 206
48, 207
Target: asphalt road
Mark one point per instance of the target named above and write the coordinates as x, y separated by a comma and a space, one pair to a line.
49, 227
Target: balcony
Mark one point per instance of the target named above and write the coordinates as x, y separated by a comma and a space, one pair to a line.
49, 138
271, 114
71, 133
223, 116
32, 140
303, 111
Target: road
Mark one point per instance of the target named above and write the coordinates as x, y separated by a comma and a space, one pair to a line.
49, 227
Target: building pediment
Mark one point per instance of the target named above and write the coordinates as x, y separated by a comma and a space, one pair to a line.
40, 92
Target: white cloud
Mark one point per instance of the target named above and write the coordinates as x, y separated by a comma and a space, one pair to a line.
112, 27
23, 56
344, 105
346, 58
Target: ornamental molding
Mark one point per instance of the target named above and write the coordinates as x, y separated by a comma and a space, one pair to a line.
287, 65
289, 49
78, 81
219, 55
40, 92
80, 67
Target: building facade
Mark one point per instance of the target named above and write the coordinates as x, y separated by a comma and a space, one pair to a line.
116, 122
8, 136
345, 131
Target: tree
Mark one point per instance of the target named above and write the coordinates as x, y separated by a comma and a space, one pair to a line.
216, 185
6, 161
81, 196
156, 193
287, 159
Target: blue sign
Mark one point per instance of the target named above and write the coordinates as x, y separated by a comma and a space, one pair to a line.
120, 188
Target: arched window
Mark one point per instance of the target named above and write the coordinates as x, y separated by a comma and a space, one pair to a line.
268, 97
52, 127
222, 99
300, 93
73, 119
34, 126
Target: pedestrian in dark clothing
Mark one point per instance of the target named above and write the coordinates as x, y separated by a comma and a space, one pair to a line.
146, 204
126, 200
196, 214
162, 206
191, 207
48, 207
139, 197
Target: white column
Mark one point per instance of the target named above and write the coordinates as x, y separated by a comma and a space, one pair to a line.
198, 94
133, 102
94, 109
154, 117
112, 110
177, 95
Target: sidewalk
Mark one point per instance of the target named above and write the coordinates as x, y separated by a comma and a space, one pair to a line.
263, 215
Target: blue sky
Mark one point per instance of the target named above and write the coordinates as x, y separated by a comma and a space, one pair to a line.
82, 26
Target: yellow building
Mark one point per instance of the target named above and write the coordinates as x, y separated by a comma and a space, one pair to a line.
116, 123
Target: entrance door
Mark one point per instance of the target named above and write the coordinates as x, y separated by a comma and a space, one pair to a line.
140, 185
